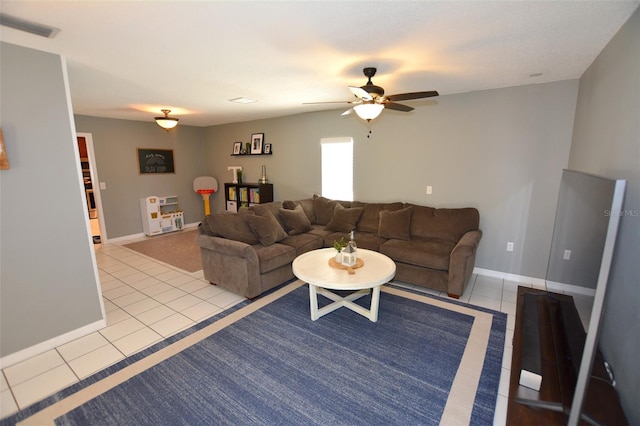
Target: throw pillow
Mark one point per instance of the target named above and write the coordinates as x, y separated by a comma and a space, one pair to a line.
395, 224
306, 204
323, 208
344, 220
295, 220
231, 226
266, 228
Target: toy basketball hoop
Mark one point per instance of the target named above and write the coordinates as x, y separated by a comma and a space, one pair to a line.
205, 186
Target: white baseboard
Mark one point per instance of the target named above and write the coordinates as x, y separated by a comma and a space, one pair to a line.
538, 283
126, 238
53, 343
521, 279
569, 288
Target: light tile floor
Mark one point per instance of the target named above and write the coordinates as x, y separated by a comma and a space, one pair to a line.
147, 301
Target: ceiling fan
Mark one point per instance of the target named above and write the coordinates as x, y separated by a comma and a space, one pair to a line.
371, 99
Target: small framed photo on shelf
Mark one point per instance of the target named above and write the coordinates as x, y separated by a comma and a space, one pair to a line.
257, 140
267, 148
237, 148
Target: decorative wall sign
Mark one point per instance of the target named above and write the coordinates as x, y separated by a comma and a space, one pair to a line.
155, 161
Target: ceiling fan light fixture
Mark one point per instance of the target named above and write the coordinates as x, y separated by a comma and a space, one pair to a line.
368, 111
166, 122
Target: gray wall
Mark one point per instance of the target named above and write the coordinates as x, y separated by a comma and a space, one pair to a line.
501, 151
580, 227
115, 144
48, 273
606, 141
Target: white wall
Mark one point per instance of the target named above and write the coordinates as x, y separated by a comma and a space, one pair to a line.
606, 141
49, 284
501, 151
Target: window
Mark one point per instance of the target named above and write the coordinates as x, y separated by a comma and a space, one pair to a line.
337, 168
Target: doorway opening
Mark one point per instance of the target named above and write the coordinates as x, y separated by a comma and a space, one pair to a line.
91, 187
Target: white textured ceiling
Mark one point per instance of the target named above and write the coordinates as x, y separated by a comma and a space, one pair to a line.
129, 59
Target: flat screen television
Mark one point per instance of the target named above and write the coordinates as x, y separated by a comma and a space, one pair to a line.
583, 242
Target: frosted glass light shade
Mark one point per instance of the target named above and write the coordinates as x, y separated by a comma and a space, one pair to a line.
368, 111
166, 122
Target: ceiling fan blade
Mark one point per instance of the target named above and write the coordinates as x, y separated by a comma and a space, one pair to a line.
413, 95
360, 93
347, 112
397, 107
331, 102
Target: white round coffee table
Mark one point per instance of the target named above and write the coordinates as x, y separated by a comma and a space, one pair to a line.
313, 268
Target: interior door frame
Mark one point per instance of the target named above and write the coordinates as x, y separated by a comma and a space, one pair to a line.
95, 182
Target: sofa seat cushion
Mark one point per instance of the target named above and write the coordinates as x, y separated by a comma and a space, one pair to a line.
320, 231
427, 253
274, 256
303, 243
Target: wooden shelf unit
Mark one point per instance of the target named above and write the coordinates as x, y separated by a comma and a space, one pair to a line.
247, 194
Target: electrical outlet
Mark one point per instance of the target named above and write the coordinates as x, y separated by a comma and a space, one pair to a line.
429, 190
567, 255
509, 246
103, 185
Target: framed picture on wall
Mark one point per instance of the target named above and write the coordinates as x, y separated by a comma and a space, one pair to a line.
152, 161
267, 148
257, 139
237, 148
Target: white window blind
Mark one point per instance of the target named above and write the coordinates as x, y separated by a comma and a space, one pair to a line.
337, 168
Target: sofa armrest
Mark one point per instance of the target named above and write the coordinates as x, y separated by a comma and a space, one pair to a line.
232, 264
223, 245
462, 261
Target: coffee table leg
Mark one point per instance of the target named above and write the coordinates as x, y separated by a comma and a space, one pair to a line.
313, 302
375, 303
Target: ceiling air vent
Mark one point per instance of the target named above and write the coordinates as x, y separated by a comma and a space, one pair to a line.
30, 27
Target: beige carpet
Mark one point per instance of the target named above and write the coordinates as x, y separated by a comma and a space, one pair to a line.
178, 249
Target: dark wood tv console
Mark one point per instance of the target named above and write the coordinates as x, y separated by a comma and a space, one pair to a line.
549, 336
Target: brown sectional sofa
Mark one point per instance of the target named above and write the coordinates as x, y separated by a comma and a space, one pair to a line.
251, 251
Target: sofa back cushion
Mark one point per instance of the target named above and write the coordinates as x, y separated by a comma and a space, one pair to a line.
306, 204
370, 217
323, 208
272, 207
266, 228
295, 220
344, 220
231, 226
443, 224
395, 224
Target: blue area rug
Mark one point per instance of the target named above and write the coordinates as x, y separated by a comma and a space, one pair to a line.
276, 366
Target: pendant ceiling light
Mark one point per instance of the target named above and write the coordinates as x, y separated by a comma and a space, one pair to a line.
166, 122
368, 110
